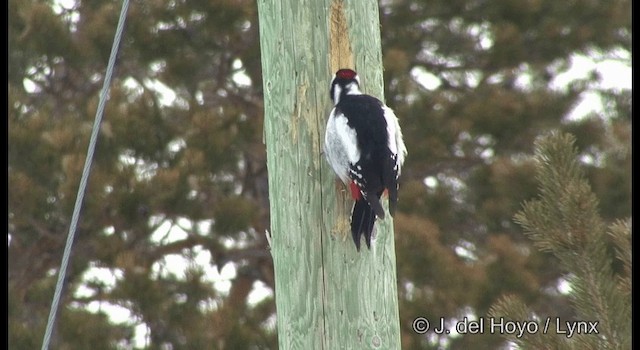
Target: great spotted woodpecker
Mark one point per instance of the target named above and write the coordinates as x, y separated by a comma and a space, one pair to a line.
364, 146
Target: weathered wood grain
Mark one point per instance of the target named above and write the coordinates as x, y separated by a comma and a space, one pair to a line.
328, 296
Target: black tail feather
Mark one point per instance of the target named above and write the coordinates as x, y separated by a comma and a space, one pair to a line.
390, 182
363, 219
374, 203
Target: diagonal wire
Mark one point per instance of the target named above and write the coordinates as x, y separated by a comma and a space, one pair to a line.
85, 176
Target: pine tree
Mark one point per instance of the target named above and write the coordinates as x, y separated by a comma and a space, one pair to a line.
565, 221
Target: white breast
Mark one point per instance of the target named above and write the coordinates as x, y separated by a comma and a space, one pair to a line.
340, 145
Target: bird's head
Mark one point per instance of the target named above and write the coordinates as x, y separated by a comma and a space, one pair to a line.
345, 82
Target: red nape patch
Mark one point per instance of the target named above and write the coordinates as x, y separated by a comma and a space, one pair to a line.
346, 74
355, 191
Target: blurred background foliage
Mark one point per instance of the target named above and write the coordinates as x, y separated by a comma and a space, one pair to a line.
172, 230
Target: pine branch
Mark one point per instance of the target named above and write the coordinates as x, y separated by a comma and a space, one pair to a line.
620, 233
564, 220
512, 308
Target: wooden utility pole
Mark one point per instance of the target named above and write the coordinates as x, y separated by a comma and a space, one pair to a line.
328, 296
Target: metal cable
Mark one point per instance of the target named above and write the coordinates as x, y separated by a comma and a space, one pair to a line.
85, 175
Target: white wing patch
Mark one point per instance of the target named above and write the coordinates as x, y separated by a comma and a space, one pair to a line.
396, 141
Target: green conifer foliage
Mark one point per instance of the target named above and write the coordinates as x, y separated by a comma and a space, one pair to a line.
565, 221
